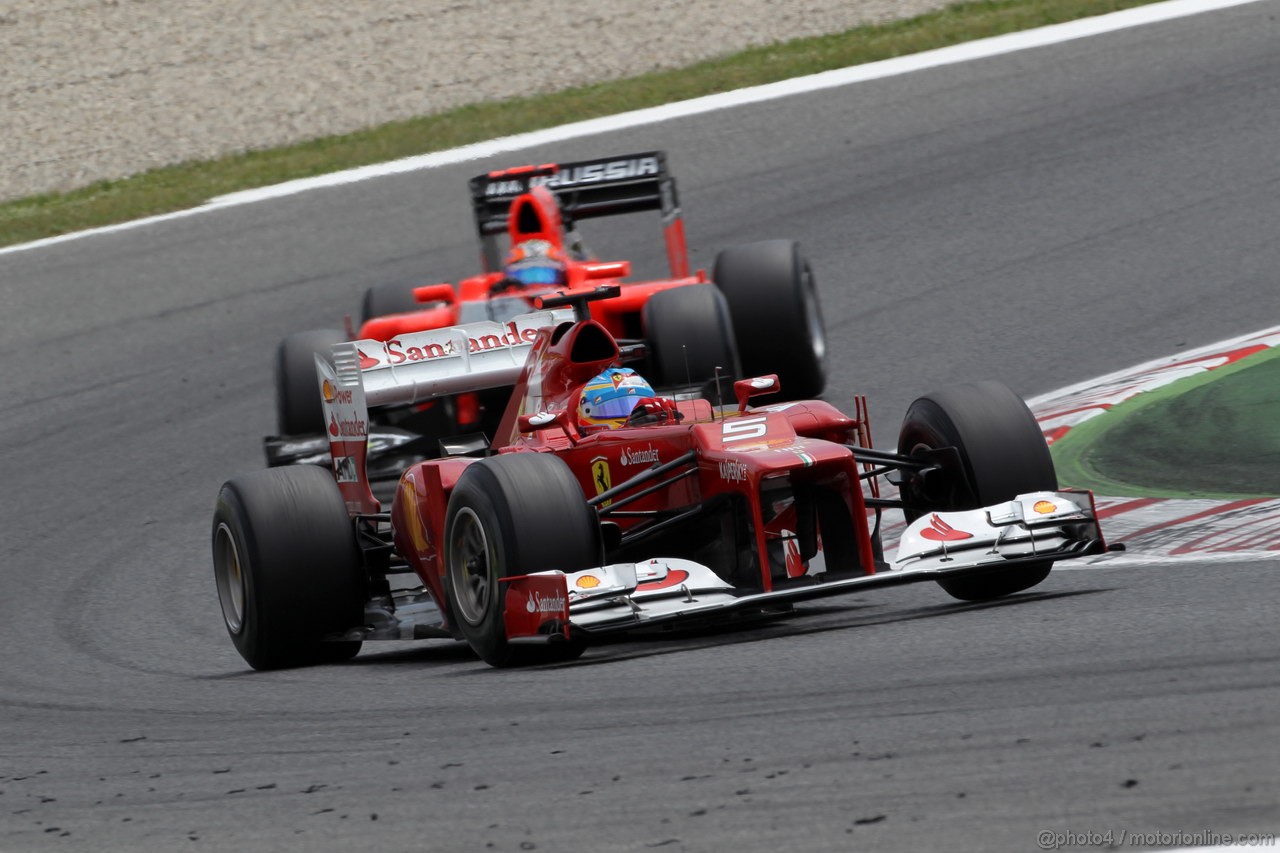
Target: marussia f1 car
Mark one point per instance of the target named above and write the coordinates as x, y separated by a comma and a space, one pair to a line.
692, 511
758, 312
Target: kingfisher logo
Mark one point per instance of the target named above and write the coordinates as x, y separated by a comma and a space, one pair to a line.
539, 603
939, 531
733, 471
631, 456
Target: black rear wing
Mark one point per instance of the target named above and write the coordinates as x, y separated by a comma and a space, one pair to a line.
609, 186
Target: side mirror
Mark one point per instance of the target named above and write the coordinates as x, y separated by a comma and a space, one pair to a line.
745, 389
544, 420
435, 293
536, 422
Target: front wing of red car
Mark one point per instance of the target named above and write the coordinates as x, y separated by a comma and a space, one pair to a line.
1029, 530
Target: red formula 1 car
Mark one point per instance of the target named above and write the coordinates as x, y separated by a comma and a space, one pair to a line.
758, 311
689, 512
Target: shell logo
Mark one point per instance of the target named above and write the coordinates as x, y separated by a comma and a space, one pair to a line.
1045, 507
587, 582
327, 390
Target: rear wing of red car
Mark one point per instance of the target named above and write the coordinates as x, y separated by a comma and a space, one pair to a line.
409, 369
609, 186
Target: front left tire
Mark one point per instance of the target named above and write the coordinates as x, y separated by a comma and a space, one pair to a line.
511, 515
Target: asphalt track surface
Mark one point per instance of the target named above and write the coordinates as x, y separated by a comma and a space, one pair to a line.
1039, 218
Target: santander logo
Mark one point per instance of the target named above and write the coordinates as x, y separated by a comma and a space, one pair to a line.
539, 603
365, 361
939, 531
632, 456
347, 428
400, 352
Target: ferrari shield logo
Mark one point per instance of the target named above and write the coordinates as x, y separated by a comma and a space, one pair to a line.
601, 477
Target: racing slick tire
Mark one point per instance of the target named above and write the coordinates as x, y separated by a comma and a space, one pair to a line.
776, 314
298, 407
512, 515
690, 334
1000, 453
389, 297
287, 567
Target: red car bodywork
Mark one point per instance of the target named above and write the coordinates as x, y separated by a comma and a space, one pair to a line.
807, 443
537, 214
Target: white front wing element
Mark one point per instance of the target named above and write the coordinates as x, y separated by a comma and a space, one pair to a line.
1034, 527
657, 578
1034, 524
629, 595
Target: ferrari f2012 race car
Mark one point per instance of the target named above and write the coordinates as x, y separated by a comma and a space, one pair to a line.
689, 512
759, 309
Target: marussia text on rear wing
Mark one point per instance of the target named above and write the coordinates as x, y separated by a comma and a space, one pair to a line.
628, 183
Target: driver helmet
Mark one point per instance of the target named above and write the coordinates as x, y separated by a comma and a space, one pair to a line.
607, 400
536, 262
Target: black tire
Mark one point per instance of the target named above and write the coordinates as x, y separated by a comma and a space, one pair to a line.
511, 515
390, 297
776, 314
298, 407
690, 334
1002, 453
287, 567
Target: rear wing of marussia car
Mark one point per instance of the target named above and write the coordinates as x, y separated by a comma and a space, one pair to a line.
628, 183
411, 369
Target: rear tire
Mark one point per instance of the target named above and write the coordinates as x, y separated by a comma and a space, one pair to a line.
512, 515
1002, 453
287, 567
690, 334
298, 407
390, 297
776, 314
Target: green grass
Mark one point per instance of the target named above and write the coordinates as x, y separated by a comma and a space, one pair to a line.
191, 184
1213, 435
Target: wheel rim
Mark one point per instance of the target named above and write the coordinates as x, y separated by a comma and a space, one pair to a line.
230, 577
813, 317
471, 566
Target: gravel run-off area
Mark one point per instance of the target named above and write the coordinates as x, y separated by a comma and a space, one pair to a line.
98, 89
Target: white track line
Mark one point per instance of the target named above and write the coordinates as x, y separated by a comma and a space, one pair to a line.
800, 85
